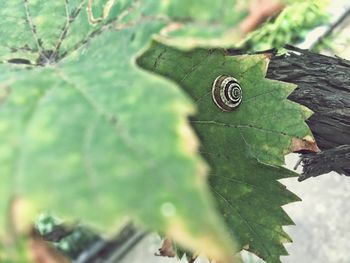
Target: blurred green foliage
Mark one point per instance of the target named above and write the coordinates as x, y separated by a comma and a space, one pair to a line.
290, 27
71, 241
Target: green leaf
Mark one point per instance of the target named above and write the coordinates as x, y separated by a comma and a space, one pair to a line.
244, 148
88, 135
204, 10
201, 22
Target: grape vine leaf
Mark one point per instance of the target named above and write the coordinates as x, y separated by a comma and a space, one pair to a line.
88, 135
244, 148
201, 22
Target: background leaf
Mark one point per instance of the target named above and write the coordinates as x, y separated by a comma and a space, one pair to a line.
201, 23
244, 148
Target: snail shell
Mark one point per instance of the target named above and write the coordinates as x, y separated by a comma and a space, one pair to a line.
227, 93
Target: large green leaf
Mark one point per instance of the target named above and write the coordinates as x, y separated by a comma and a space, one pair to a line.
244, 148
88, 135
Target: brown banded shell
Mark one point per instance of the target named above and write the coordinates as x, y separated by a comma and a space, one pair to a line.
227, 93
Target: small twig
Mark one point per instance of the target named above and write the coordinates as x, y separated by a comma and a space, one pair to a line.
91, 252
298, 163
126, 247
330, 30
114, 250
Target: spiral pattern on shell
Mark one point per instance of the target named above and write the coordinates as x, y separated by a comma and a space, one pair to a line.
227, 93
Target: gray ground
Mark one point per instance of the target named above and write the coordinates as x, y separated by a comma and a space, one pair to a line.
322, 220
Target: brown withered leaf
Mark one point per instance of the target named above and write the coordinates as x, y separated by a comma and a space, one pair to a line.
167, 249
307, 144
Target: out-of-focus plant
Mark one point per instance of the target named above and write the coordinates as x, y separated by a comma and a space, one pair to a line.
290, 27
71, 241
